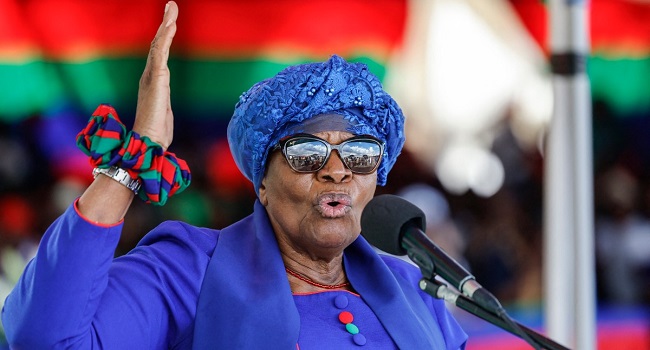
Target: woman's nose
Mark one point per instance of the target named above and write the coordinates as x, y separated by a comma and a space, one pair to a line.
334, 170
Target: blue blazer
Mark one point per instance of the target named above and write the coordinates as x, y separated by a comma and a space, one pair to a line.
246, 284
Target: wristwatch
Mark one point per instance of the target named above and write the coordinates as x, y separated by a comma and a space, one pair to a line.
120, 175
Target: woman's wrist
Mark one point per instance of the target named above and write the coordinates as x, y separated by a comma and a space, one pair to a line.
108, 144
105, 201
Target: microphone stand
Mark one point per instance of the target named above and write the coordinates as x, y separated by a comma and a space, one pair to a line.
440, 291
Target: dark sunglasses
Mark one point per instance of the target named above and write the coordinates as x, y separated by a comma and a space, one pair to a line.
307, 153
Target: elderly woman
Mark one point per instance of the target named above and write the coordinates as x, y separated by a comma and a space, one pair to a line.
315, 140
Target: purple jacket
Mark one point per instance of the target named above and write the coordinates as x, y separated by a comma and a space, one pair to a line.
184, 287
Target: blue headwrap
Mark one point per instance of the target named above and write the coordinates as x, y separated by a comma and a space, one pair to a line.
273, 108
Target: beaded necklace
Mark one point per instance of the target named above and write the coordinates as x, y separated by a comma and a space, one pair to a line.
315, 284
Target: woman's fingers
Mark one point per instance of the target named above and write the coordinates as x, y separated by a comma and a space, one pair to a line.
154, 116
159, 52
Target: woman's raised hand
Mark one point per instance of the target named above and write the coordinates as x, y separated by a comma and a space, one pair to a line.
154, 117
106, 201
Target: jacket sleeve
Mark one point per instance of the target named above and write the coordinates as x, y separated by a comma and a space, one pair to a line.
74, 295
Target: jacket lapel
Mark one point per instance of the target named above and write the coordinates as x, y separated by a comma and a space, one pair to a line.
245, 300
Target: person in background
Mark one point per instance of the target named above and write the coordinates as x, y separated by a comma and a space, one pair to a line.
622, 238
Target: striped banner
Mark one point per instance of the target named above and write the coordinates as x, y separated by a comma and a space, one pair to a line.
619, 65
88, 52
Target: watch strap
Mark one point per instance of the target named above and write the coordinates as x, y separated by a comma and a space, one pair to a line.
120, 175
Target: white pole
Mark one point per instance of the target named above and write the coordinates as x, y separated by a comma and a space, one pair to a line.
585, 281
558, 225
569, 262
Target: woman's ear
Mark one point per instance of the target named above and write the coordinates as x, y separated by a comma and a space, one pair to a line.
262, 192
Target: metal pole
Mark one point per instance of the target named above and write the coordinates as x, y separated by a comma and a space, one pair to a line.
558, 223
569, 276
585, 281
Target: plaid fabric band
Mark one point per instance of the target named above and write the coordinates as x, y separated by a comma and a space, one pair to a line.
107, 143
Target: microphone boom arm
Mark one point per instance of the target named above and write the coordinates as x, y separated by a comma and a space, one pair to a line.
439, 290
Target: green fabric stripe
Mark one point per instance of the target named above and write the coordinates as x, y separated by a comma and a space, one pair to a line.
27, 89
103, 145
149, 175
199, 87
210, 89
206, 86
624, 83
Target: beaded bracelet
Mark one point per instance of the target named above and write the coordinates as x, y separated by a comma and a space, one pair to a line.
107, 143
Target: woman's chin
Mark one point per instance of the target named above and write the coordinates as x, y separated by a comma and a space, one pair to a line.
336, 242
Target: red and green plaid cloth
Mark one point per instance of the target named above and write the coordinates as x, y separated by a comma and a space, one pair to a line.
107, 143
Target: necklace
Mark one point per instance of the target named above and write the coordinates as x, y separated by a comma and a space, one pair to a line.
315, 284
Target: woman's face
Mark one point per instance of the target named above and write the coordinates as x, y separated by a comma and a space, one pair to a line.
316, 213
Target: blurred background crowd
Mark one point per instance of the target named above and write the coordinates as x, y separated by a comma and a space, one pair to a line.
472, 77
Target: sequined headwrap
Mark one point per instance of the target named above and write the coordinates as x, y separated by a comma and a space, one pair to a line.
273, 108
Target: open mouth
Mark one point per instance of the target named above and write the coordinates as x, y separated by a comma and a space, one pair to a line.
334, 205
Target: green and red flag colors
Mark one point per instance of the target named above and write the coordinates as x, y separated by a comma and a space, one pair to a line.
84, 52
619, 65
90, 52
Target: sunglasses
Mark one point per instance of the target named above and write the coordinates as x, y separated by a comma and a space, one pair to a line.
307, 153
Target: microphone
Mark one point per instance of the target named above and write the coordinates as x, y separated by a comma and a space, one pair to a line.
396, 226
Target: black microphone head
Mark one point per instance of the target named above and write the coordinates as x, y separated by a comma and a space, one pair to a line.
384, 218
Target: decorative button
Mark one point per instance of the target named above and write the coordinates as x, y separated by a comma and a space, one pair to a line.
341, 301
359, 339
351, 328
345, 317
